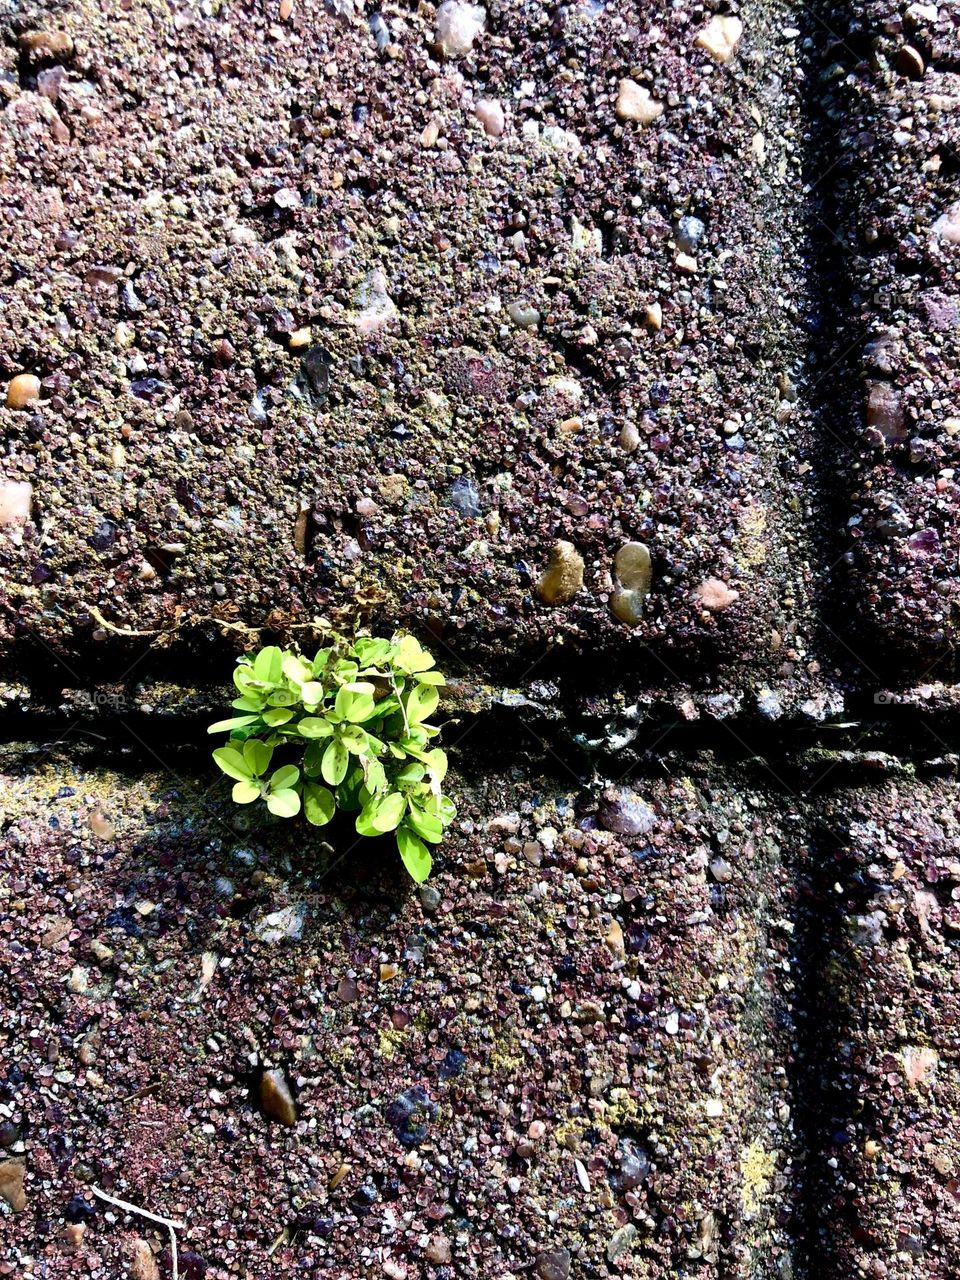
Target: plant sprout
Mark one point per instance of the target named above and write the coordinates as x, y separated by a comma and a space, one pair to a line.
344, 730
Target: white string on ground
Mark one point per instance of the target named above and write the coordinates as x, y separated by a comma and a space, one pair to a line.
169, 1223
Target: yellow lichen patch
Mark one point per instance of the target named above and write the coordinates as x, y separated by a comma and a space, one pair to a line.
753, 541
390, 1041
756, 1168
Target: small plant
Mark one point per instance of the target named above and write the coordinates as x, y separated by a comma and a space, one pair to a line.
345, 730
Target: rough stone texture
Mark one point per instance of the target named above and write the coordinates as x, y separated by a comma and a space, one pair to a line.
888, 200
613, 349
199, 193
452, 1101
884, 1000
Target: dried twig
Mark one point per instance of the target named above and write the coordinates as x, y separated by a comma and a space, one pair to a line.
169, 1223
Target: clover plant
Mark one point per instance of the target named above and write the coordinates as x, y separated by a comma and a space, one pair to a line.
347, 730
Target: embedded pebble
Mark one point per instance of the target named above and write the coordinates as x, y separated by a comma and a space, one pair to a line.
11, 1184
720, 37
715, 595
947, 226
16, 498
910, 62
23, 390
624, 812
690, 231
275, 1097
490, 114
630, 438
632, 567
438, 1251
552, 1264
523, 315
286, 924
563, 576
621, 1241
635, 103
143, 1265
458, 25
885, 411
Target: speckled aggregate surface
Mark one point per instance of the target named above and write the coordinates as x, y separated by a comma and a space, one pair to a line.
223, 186
612, 348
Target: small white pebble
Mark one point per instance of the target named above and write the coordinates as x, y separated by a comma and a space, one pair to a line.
490, 114
635, 103
720, 37
458, 25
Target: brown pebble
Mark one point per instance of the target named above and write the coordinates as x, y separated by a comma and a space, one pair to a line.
614, 940
338, 1177
11, 1184
73, 1234
910, 63
143, 1265
276, 1098
23, 390
563, 576
533, 852
285, 10
56, 44
347, 990
438, 1251
101, 826
388, 972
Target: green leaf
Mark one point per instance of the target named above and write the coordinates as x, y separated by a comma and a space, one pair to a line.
312, 692
320, 661
421, 703
336, 758
250, 702
415, 854
437, 763
354, 702
389, 811
349, 791
312, 758
283, 698
374, 776
430, 677
284, 778
233, 764
277, 715
355, 740
364, 823
411, 657
446, 810
295, 669
425, 825
236, 722
257, 755
319, 806
412, 773
371, 651
245, 792
242, 677
268, 665
314, 727
284, 804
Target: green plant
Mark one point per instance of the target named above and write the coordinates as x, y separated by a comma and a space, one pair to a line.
345, 730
